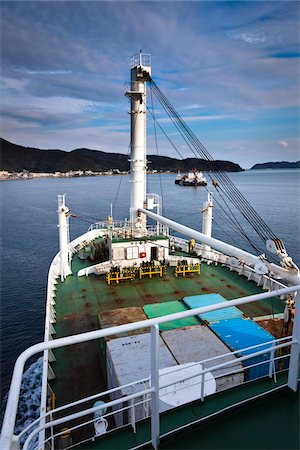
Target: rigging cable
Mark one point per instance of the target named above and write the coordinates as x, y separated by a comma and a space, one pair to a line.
232, 192
231, 217
234, 220
180, 125
188, 133
82, 218
214, 169
79, 215
155, 134
119, 186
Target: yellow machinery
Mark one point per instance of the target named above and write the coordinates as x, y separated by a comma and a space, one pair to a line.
53, 401
182, 269
150, 270
117, 275
145, 270
191, 245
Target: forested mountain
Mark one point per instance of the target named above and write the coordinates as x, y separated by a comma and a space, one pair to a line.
15, 158
277, 165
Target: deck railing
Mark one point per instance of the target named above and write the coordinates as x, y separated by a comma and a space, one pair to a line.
9, 441
153, 230
265, 281
131, 403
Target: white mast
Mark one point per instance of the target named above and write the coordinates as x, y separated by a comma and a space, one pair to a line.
207, 220
63, 224
140, 74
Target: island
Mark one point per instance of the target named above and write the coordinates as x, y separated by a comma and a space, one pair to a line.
277, 165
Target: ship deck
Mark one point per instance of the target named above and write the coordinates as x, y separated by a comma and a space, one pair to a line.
79, 300
267, 422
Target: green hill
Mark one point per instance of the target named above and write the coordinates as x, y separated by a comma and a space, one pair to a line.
277, 165
15, 158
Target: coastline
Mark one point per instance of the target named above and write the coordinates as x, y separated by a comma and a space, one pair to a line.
25, 175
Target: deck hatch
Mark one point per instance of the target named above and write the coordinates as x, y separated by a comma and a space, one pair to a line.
238, 334
198, 343
165, 308
196, 301
128, 359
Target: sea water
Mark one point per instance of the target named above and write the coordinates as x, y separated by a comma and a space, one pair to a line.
29, 239
29, 402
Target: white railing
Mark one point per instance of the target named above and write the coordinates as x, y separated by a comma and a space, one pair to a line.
10, 441
265, 281
158, 230
292, 276
53, 275
144, 393
153, 230
140, 58
109, 225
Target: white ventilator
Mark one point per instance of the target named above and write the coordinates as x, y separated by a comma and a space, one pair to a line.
100, 423
63, 224
207, 219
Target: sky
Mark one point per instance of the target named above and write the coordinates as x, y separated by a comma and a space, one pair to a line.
231, 69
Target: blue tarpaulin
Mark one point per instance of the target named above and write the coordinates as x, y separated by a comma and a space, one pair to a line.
196, 301
239, 334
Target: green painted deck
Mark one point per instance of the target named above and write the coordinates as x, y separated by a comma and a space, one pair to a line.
268, 422
79, 300
162, 309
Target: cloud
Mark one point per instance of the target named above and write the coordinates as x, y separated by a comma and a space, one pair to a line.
230, 68
250, 38
282, 143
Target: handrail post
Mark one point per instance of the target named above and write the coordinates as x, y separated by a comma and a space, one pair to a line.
202, 383
155, 385
132, 412
295, 349
51, 430
272, 366
15, 444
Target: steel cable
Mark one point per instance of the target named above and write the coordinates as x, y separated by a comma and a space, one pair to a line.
231, 217
232, 192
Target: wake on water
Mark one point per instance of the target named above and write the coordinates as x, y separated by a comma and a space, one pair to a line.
30, 400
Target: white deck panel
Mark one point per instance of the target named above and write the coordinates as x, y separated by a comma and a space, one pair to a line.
197, 343
128, 360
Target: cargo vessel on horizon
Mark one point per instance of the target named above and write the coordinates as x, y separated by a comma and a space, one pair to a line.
159, 338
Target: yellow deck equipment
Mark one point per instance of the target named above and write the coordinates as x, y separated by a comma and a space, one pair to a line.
183, 269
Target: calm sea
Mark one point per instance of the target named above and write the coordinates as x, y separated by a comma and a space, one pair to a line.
29, 235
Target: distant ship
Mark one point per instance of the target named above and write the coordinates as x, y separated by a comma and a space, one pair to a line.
193, 178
